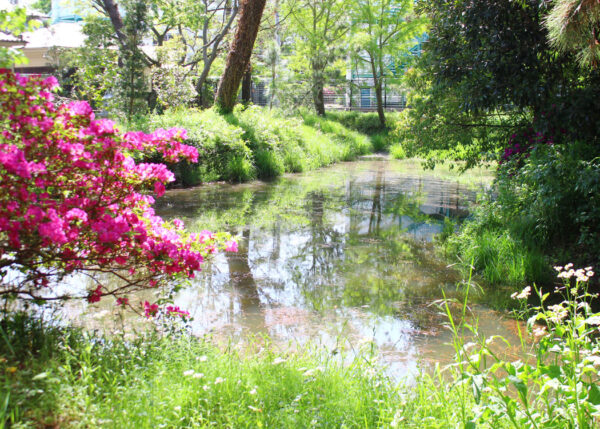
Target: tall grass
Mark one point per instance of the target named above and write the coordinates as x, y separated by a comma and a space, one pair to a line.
80, 380
65, 377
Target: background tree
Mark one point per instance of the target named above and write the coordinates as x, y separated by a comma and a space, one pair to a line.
14, 23
195, 30
488, 71
239, 54
319, 27
383, 30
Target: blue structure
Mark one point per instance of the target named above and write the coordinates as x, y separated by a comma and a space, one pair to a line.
65, 11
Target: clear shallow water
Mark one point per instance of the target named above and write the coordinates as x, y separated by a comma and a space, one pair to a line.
341, 257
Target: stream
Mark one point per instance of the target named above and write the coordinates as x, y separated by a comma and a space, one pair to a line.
342, 257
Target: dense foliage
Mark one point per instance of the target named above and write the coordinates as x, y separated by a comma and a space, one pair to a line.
252, 142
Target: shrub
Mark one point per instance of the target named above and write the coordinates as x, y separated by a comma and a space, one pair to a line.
269, 164
365, 123
397, 151
546, 202
72, 198
222, 149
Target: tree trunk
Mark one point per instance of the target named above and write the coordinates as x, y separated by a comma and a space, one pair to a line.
380, 112
317, 89
247, 85
378, 92
239, 54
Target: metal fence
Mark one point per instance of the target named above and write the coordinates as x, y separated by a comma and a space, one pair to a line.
352, 95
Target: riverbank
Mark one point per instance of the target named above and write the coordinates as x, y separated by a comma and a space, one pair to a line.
65, 377
261, 143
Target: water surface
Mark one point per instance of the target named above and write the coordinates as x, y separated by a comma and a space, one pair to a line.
343, 257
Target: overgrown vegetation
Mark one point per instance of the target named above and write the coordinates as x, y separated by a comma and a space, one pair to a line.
535, 111
62, 376
257, 143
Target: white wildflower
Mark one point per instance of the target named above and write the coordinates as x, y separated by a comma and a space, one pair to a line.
594, 320
524, 293
219, 380
198, 375
278, 360
188, 373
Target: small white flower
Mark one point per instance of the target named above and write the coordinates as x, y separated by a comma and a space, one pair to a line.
198, 375
524, 293
177, 408
201, 358
278, 360
557, 268
594, 320
589, 273
253, 391
594, 360
588, 268
219, 380
188, 373
568, 266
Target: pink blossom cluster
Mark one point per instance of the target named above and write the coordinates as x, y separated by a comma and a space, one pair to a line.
72, 198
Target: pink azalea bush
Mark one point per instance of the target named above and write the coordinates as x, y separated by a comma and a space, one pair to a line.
73, 199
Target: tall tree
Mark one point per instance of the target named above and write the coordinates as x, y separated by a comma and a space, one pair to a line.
383, 31
319, 26
489, 71
239, 54
196, 30
575, 25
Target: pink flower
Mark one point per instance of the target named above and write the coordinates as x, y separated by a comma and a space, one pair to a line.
176, 311
95, 295
50, 82
231, 246
122, 301
80, 108
150, 309
159, 189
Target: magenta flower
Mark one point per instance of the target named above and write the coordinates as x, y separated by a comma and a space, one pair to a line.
231, 246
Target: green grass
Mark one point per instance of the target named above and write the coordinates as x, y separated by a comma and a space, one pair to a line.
256, 142
397, 151
64, 377
496, 251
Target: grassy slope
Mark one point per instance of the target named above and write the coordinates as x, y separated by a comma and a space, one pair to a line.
256, 143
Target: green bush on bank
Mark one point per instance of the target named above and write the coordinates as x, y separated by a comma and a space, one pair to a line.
546, 202
255, 142
366, 123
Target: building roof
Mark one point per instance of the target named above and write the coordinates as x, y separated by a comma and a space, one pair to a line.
10, 38
63, 34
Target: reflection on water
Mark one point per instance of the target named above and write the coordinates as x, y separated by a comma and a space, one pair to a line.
340, 253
